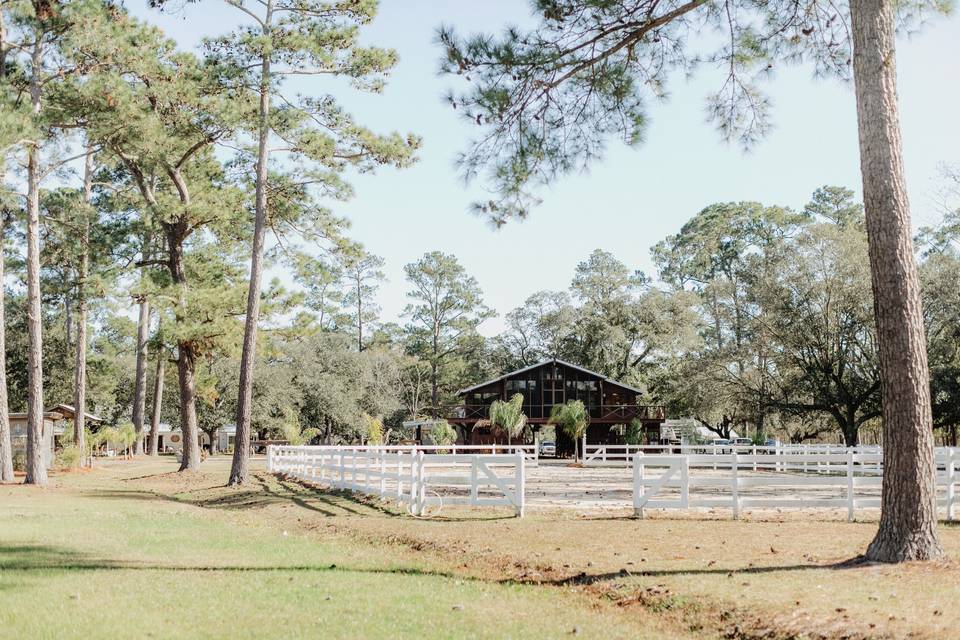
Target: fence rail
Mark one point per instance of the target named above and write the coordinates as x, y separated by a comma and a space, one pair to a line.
531, 452
622, 454
846, 475
409, 475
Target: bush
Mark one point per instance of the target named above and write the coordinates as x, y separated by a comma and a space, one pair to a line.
69, 457
19, 461
443, 434
374, 429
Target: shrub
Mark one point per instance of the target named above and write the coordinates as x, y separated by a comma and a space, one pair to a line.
634, 434
69, 457
19, 461
442, 434
374, 429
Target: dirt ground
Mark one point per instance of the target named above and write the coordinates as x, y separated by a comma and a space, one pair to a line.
556, 484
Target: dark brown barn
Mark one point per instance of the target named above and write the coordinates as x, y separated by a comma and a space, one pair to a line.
554, 382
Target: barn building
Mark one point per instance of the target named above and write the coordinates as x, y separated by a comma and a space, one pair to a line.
612, 405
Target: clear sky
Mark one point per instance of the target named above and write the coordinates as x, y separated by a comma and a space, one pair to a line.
636, 196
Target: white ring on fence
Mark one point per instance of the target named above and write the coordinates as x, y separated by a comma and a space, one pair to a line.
426, 515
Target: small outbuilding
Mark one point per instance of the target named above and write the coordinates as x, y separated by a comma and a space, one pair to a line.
18, 433
68, 414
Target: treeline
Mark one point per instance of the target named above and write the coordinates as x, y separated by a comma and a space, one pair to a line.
132, 169
760, 320
136, 173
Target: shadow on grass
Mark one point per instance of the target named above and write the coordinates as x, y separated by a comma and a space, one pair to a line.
47, 558
589, 579
265, 492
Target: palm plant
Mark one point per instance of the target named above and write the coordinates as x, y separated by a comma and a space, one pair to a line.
126, 437
443, 434
572, 418
508, 416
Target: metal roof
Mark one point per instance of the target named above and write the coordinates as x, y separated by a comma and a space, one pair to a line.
72, 411
548, 361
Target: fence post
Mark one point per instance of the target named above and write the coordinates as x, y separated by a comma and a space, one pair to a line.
413, 481
754, 457
382, 460
951, 490
421, 488
399, 475
637, 484
520, 489
685, 482
474, 488
270, 458
850, 503
734, 484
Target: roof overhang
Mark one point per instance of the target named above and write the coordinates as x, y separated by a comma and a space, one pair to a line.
542, 363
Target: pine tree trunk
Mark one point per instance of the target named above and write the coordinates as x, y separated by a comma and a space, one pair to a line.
186, 353
434, 387
68, 319
140, 375
80, 350
186, 366
153, 443
908, 520
241, 450
36, 451
6, 446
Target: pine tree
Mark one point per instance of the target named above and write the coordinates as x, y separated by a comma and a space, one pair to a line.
549, 98
281, 38
173, 109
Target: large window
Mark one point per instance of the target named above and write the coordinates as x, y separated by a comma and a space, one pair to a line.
482, 397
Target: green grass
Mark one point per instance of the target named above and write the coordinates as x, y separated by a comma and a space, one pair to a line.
100, 555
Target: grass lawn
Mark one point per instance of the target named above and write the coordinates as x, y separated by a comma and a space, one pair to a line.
113, 554
133, 550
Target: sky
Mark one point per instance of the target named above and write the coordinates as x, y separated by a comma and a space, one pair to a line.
634, 197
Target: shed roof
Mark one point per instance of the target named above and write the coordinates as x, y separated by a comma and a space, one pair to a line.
67, 411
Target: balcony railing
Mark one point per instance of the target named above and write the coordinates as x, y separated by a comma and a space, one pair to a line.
604, 413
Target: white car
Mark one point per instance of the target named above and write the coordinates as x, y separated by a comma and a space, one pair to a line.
548, 448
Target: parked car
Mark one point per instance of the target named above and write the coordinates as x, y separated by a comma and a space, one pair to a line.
743, 442
771, 442
548, 448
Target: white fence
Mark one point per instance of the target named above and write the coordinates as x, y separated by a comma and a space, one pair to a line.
531, 453
409, 475
850, 480
622, 454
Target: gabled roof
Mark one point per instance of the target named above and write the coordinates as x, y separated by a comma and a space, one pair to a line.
68, 410
544, 362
